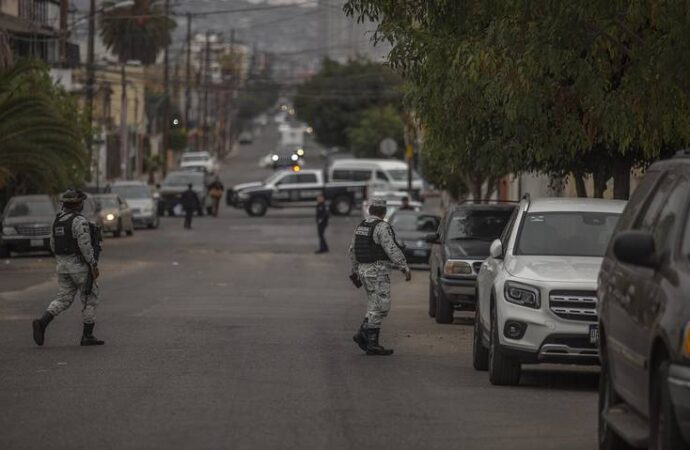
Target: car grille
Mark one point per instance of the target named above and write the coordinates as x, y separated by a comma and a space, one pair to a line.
574, 305
33, 230
477, 266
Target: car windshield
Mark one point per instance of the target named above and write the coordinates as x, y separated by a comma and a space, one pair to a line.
30, 208
182, 179
566, 233
414, 222
135, 192
195, 158
401, 174
107, 202
478, 224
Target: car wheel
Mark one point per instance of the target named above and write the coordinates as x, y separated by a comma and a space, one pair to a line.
342, 205
665, 433
432, 299
608, 439
503, 370
257, 207
444, 310
4, 251
117, 233
480, 354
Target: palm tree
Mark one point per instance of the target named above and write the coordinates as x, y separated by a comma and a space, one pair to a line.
138, 32
41, 142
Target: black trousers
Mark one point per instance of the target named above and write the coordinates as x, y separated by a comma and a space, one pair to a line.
188, 214
323, 245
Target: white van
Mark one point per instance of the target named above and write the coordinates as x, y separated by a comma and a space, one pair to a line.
382, 174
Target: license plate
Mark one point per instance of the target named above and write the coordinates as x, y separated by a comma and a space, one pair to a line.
419, 253
594, 334
36, 242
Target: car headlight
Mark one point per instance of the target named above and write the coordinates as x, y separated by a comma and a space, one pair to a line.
522, 294
110, 217
243, 195
453, 267
9, 231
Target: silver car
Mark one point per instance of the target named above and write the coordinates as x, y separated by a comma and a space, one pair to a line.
140, 199
114, 214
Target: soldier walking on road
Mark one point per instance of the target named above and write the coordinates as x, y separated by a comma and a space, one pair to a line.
190, 203
374, 252
72, 242
322, 216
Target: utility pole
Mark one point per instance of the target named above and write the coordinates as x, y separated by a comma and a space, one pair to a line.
124, 133
188, 89
207, 81
90, 81
64, 9
166, 95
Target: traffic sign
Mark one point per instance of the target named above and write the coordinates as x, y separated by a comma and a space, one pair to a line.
388, 147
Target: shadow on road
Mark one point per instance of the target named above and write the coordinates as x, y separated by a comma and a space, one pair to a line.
579, 379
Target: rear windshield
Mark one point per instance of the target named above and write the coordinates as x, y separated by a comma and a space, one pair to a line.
477, 224
414, 222
30, 208
401, 174
135, 192
566, 233
183, 179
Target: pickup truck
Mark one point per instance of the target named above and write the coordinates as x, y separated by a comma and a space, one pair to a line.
289, 188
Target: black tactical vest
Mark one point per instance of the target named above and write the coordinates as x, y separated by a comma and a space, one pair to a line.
65, 242
366, 250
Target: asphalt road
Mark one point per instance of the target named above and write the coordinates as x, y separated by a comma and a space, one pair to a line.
235, 335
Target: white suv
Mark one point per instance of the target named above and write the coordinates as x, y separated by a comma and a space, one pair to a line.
536, 293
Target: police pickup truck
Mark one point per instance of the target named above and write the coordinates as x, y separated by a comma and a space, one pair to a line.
295, 188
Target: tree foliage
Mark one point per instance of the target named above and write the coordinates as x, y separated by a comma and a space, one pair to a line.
593, 86
374, 125
333, 100
41, 132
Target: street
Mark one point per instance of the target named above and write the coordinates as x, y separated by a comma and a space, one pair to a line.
235, 335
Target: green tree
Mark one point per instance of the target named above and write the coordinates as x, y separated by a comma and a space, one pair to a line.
332, 101
41, 133
374, 125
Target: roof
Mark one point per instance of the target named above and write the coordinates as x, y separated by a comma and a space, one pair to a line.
129, 183
483, 206
557, 204
382, 163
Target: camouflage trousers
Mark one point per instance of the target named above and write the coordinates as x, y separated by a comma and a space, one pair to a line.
68, 286
377, 283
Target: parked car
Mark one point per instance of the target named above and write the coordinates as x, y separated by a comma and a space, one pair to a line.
537, 290
644, 318
411, 229
245, 137
140, 199
114, 214
26, 224
383, 174
393, 202
199, 159
175, 184
459, 247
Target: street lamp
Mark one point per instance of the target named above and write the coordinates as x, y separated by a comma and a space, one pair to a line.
91, 76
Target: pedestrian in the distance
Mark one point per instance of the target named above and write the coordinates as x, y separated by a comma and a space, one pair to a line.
71, 240
190, 204
322, 216
215, 191
405, 204
374, 251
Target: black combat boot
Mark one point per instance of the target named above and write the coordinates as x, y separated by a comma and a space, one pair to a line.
361, 337
40, 326
88, 338
373, 347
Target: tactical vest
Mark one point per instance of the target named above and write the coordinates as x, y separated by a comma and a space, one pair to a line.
65, 242
366, 250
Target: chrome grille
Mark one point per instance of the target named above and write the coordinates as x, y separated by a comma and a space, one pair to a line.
33, 230
574, 305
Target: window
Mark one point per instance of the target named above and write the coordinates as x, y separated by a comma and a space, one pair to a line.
637, 199
292, 178
308, 178
566, 233
351, 175
651, 210
381, 176
665, 226
485, 225
31, 208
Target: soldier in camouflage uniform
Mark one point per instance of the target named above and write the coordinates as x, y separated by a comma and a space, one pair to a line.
373, 253
77, 268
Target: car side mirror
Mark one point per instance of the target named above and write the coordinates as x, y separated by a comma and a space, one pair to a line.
433, 238
636, 248
496, 249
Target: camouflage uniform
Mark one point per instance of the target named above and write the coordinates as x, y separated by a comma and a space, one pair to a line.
73, 271
375, 276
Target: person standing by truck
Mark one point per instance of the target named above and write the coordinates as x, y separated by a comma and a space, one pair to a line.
190, 203
322, 216
215, 191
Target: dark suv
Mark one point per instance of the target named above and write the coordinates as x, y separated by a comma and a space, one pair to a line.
459, 248
644, 318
